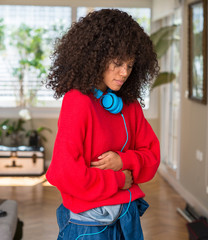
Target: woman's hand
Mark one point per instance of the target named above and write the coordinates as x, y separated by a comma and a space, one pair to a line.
128, 179
108, 160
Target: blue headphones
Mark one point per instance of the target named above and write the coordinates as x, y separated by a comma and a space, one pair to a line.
110, 101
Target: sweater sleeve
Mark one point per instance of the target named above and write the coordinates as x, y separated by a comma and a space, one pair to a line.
144, 159
68, 170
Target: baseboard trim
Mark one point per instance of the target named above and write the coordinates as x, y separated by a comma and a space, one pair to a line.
184, 193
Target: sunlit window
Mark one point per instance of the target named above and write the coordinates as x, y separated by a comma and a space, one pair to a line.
141, 15
27, 34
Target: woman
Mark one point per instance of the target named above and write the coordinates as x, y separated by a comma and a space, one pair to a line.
104, 146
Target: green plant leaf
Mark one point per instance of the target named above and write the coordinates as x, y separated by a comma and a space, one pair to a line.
4, 126
4, 123
43, 138
163, 38
19, 127
163, 78
40, 129
164, 32
162, 46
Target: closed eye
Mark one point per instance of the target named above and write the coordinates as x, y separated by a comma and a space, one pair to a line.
118, 64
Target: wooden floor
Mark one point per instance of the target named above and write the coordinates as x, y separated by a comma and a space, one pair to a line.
37, 206
162, 221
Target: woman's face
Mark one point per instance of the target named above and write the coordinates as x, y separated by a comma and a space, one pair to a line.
116, 74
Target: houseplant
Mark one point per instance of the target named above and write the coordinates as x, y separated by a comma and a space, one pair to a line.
13, 131
36, 138
162, 40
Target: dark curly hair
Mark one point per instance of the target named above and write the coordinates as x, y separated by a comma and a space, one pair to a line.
83, 54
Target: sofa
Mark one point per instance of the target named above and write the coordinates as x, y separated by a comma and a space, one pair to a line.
10, 225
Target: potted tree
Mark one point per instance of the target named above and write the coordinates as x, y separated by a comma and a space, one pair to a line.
29, 43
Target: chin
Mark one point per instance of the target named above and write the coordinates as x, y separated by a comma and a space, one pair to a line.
115, 89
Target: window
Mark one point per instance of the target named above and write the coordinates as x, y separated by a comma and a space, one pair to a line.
170, 99
45, 23
29, 33
141, 15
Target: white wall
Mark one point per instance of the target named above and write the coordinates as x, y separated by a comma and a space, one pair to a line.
162, 8
86, 3
192, 181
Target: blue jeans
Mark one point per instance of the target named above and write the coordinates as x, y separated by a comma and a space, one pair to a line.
127, 227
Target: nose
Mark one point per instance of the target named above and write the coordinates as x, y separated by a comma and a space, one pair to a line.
124, 70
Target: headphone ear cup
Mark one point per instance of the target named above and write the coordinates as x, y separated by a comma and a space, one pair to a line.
119, 106
112, 103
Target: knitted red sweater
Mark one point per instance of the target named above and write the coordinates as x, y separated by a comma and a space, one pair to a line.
85, 131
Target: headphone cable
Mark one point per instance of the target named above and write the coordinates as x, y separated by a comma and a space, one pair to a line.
127, 137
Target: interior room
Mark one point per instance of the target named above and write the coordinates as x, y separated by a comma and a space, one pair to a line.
175, 106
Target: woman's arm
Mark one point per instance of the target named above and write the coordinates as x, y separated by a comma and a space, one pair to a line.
143, 161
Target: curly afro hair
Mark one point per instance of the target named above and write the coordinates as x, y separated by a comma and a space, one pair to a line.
83, 54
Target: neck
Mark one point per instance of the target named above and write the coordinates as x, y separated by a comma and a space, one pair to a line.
102, 87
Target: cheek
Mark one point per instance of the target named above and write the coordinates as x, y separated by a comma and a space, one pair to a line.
106, 77
109, 74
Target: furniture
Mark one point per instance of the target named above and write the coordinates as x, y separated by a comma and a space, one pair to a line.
8, 223
21, 161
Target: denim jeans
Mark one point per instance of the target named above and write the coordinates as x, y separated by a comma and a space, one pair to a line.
127, 227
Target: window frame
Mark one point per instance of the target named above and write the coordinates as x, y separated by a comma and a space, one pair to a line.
53, 112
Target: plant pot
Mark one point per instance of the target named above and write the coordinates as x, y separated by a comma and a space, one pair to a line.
34, 140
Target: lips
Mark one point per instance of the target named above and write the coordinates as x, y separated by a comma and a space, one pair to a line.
119, 82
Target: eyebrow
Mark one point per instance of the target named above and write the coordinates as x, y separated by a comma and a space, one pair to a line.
126, 61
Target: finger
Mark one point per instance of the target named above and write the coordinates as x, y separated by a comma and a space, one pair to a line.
98, 163
102, 167
104, 155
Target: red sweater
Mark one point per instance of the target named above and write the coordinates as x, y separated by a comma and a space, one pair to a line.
85, 131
